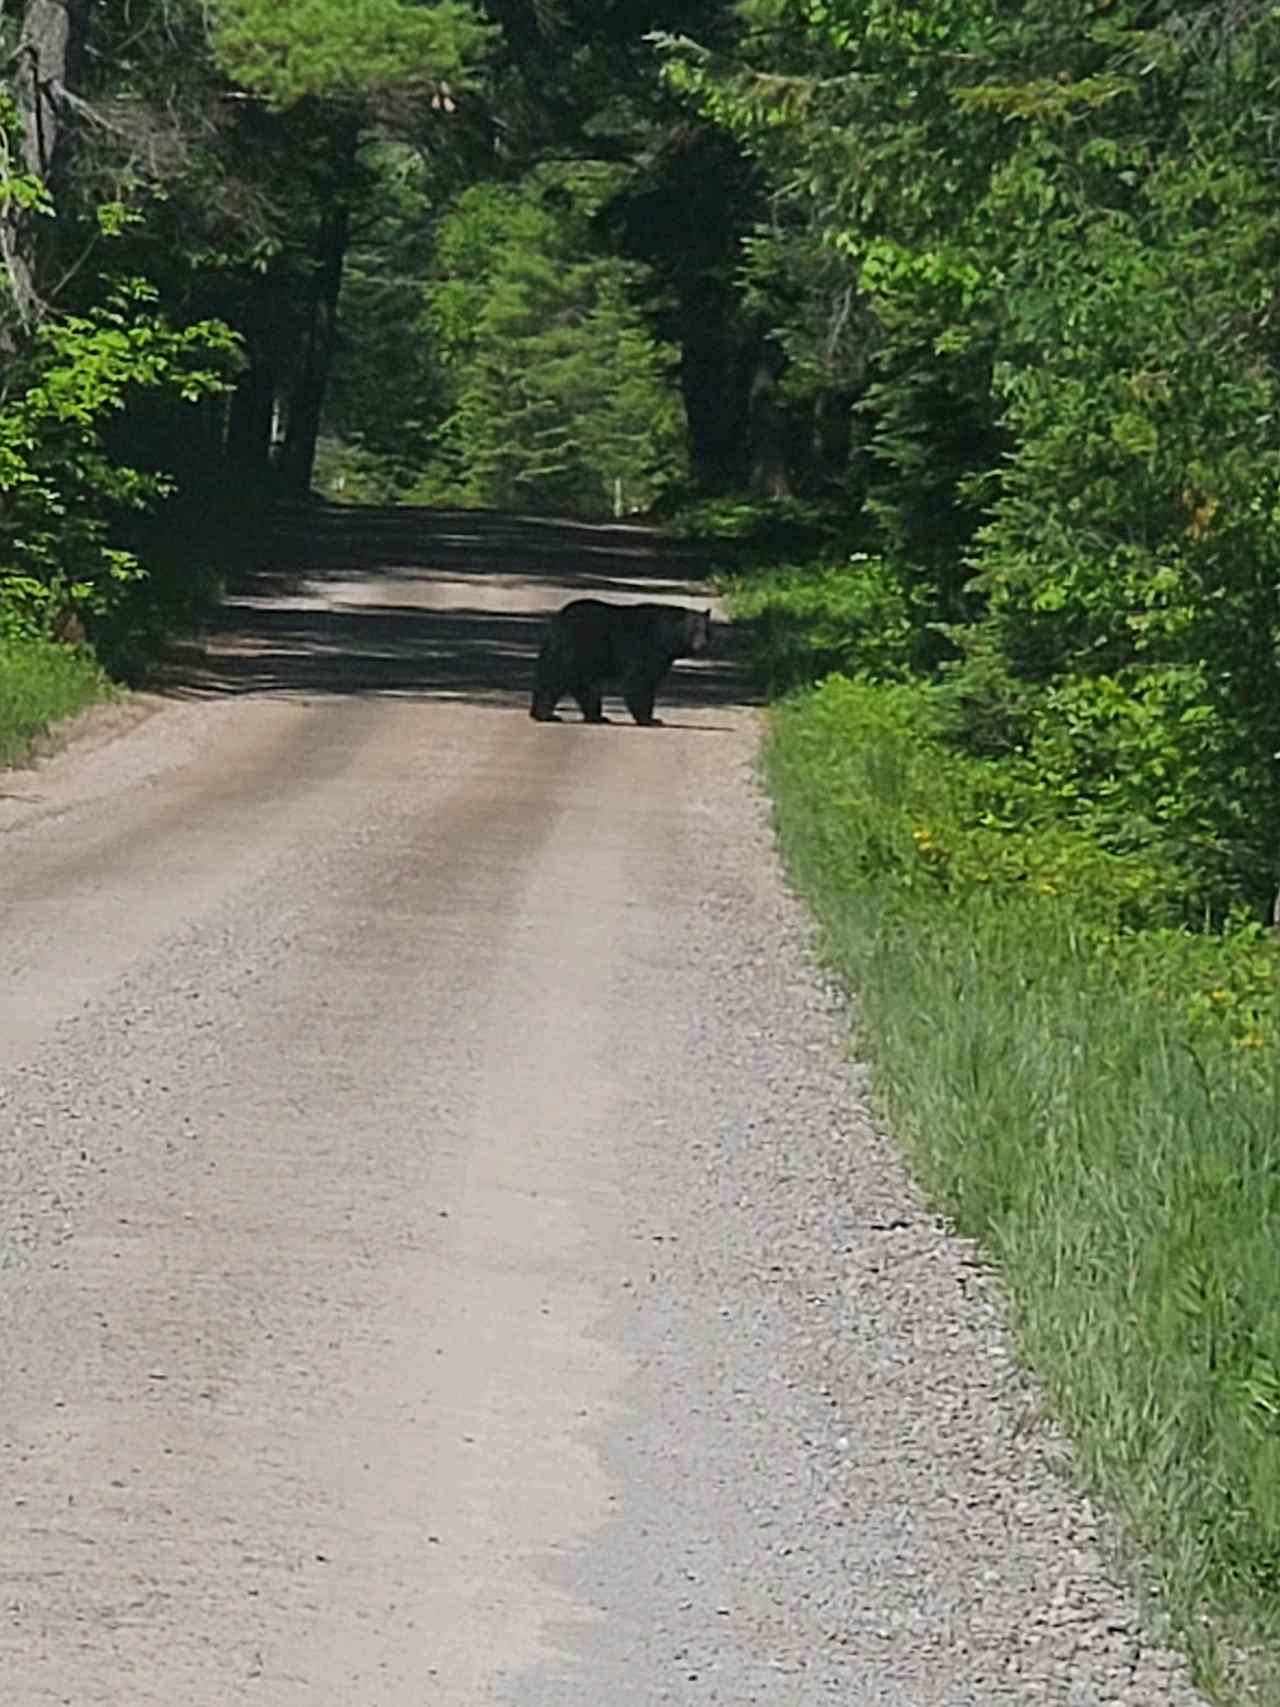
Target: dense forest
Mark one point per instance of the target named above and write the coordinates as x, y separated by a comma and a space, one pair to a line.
955, 329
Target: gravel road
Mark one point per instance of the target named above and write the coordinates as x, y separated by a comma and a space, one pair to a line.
445, 1257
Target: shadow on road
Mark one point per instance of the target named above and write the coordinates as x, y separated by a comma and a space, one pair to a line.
288, 629
338, 541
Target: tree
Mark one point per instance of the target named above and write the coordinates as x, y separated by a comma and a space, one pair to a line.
216, 149
560, 398
341, 76
84, 351
581, 79
45, 61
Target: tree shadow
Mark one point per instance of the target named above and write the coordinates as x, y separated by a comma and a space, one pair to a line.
326, 542
284, 631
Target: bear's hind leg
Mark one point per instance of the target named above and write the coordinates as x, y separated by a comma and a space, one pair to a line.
588, 697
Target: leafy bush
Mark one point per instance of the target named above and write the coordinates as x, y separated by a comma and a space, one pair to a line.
941, 824
1129, 564
810, 619
796, 526
61, 487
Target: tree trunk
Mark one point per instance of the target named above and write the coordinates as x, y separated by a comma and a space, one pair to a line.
47, 60
249, 422
767, 426
266, 321
306, 400
831, 435
711, 380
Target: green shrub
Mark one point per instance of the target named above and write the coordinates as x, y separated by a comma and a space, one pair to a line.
776, 525
811, 619
65, 497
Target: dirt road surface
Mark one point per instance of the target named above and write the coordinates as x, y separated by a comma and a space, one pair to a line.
444, 1261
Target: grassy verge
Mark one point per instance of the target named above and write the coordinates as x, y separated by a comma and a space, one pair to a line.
40, 682
1091, 1091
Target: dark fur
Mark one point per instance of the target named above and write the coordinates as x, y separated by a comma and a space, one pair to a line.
590, 643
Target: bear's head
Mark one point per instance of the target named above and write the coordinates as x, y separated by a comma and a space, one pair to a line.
697, 631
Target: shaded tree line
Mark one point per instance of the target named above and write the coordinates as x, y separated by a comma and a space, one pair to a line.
1040, 245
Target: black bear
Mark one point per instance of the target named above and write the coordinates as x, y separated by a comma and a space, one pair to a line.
589, 643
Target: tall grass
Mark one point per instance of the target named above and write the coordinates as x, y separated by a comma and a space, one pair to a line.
1092, 1093
40, 682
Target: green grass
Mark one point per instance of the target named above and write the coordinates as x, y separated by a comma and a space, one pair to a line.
1090, 1091
40, 682
827, 618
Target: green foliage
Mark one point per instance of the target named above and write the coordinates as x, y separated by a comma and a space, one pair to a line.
60, 483
1060, 239
808, 620
385, 400
1095, 1096
767, 527
1140, 604
20, 190
289, 50
963, 827
559, 396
